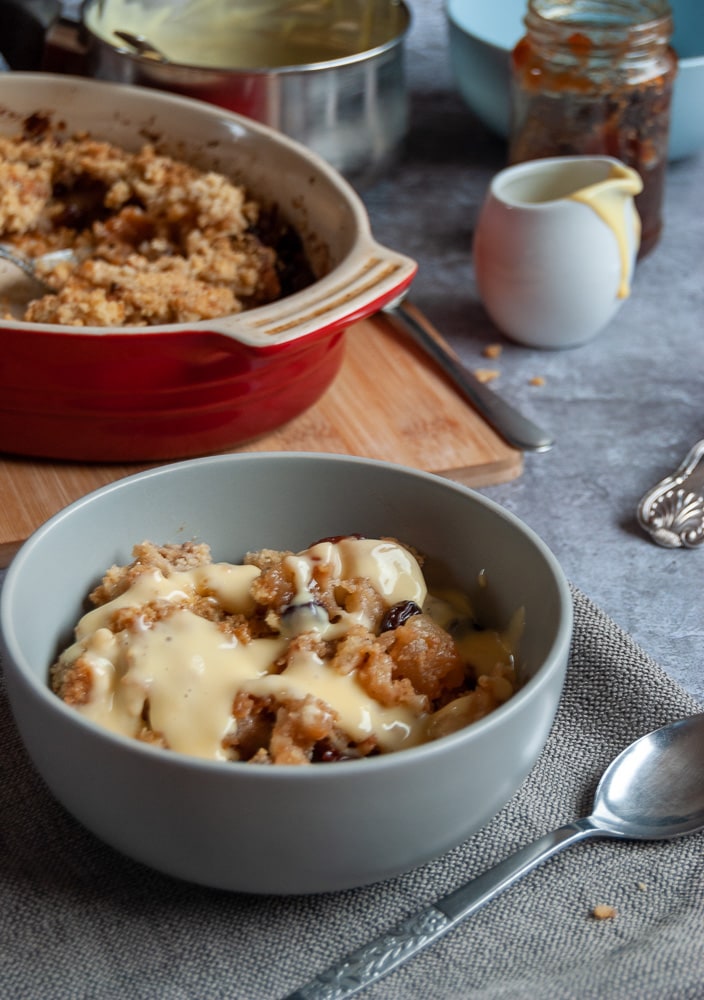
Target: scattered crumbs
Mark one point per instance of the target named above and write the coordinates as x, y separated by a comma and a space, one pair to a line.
537, 380
486, 374
492, 351
642, 886
603, 911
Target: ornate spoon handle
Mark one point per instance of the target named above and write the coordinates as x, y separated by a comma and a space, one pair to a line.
673, 511
363, 967
372, 961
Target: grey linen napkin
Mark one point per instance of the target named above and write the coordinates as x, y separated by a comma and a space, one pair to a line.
78, 920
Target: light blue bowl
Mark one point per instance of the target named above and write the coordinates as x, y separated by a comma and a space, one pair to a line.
482, 35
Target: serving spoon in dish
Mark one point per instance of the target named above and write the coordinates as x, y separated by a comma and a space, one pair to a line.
654, 790
29, 265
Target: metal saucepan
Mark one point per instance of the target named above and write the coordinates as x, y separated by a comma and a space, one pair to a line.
329, 73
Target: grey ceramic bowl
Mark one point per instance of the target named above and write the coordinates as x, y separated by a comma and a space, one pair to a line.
482, 36
278, 829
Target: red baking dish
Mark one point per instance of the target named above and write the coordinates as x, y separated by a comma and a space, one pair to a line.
161, 392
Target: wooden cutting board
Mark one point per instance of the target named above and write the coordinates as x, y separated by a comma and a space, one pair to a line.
389, 401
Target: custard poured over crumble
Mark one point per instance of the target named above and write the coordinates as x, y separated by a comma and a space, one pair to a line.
334, 653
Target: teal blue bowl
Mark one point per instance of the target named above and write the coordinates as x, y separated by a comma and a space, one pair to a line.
481, 36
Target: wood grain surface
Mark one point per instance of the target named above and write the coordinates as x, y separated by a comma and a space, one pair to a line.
388, 402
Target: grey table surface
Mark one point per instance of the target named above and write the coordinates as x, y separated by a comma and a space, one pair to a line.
625, 408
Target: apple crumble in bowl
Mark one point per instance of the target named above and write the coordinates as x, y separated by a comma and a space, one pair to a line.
334, 653
338, 741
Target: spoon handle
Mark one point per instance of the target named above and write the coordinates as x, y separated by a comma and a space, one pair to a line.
511, 425
379, 957
673, 510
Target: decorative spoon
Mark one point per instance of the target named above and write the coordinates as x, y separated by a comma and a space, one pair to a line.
654, 790
673, 510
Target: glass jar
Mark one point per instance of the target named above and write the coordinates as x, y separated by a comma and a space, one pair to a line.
596, 76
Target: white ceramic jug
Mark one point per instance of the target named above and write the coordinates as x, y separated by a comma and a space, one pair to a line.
555, 248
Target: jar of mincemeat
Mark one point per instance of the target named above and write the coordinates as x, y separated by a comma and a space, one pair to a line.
596, 77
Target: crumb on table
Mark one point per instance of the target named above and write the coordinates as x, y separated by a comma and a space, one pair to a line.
492, 351
486, 374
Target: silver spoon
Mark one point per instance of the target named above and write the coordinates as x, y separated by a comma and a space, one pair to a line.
654, 790
29, 264
673, 510
514, 427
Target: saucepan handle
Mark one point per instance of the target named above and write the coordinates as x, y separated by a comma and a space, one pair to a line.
65, 49
23, 28
39, 36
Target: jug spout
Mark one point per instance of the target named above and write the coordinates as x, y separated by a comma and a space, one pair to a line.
612, 200
603, 183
